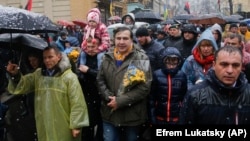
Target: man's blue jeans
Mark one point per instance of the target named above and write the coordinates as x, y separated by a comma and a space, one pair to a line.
114, 133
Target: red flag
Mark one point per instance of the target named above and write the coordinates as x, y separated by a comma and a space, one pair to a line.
187, 8
28, 5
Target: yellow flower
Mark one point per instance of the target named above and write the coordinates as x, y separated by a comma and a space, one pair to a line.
133, 76
73, 55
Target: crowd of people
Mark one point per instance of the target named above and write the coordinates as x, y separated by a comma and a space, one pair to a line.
83, 87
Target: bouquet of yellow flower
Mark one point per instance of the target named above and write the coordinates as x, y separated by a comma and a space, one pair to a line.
131, 78
73, 55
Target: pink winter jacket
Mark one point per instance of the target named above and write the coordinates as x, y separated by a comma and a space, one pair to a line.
101, 32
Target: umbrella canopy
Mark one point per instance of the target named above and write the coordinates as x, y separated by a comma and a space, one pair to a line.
21, 39
208, 19
183, 17
247, 21
168, 21
16, 20
147, 16
65, 23
230, 19
239, 17
114, 18
81, 23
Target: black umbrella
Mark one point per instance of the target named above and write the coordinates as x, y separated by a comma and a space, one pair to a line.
183, 17
21, 44
23, 40
147, 16
15, 20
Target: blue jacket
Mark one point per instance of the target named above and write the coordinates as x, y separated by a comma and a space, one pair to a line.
167, 92
191, 67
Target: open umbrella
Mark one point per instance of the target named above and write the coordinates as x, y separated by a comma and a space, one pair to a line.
23, 40
21, 44
81, 23
65, 23
147, 16
16, 20
230, 19
208, 19
183, 17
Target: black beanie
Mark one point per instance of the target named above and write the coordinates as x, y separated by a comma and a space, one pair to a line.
142, 31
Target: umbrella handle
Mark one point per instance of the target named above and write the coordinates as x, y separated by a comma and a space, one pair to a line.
19, 62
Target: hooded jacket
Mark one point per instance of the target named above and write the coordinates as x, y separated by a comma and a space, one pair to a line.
217, 27
167, 91
59, 102
101, 32
191, 67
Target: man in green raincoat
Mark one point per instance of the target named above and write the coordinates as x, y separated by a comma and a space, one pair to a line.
60, 108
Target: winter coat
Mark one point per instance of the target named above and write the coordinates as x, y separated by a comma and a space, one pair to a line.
90, 90
173, 42
101, 32
191, 67
61, 43
211, 102
59, 102
132, 104
168, 89
153, 51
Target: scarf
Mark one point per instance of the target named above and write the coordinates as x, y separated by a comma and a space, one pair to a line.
119, 57
206, 62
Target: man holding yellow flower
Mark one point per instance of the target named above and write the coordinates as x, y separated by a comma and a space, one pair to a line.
124, 81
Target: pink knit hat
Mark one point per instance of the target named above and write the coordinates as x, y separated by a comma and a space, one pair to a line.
94, 15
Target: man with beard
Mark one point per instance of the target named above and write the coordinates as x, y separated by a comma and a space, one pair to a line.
151, 47
244, 31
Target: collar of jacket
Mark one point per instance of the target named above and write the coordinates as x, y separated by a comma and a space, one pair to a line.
241, 83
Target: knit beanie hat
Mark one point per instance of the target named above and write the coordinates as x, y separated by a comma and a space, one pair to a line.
94, 15
142, 31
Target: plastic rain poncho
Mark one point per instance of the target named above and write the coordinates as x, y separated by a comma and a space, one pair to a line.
59, 103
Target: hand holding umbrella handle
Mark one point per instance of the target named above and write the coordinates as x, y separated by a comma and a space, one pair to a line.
12, 69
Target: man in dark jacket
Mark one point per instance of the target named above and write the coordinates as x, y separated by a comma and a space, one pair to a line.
123, 106
89, 71
152, 48
223, 97
189, 35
